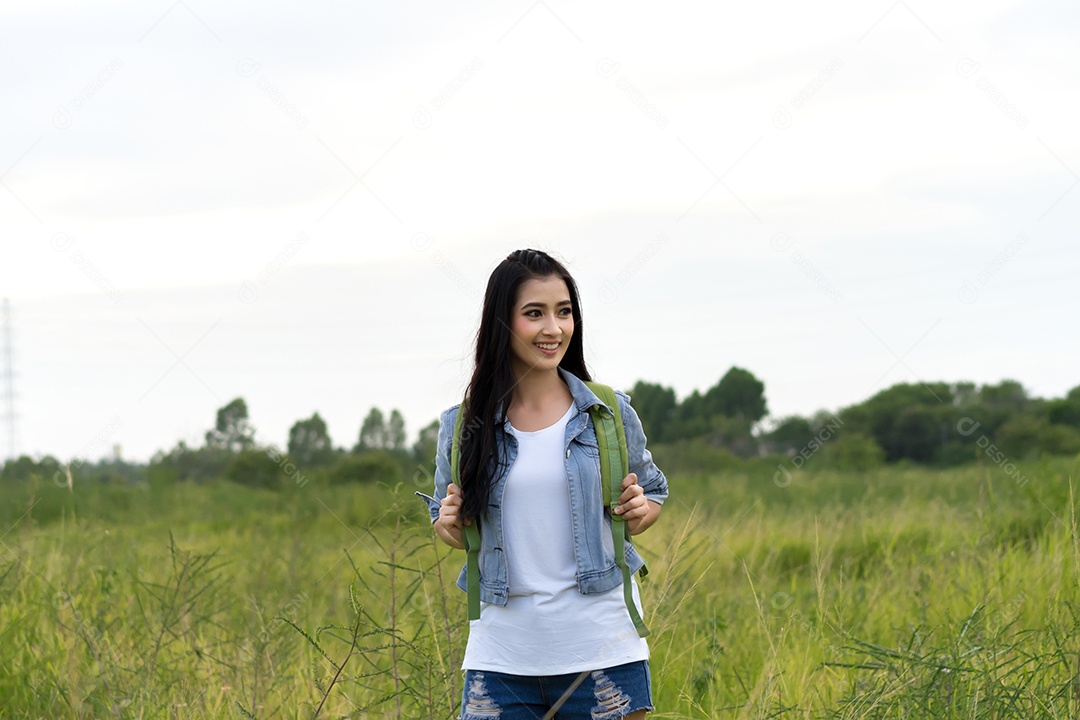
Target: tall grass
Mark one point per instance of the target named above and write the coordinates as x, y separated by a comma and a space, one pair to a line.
901, 593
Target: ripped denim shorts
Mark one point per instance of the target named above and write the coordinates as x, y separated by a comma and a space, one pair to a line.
599, 694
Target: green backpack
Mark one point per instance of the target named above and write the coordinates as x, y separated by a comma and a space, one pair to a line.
611, 439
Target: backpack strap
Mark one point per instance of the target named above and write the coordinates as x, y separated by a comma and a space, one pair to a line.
614, 466
471, 533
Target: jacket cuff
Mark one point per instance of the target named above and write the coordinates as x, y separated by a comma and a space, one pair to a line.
433, 506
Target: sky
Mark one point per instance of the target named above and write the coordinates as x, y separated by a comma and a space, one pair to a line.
300, 204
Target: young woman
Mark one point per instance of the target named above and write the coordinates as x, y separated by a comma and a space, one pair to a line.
554, 638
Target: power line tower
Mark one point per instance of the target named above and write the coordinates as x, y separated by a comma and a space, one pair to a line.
8, 394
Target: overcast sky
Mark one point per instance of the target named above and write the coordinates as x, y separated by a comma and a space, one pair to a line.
300, 203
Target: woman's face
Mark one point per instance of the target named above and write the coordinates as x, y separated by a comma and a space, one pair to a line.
541, 325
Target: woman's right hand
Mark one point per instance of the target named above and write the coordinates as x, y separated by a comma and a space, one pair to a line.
449, 524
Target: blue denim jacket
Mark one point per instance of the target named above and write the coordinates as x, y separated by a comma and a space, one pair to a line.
596, 569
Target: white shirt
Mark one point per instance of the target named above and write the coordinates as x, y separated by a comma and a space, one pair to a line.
548, 627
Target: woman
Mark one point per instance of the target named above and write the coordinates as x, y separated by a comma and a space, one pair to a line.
554, 638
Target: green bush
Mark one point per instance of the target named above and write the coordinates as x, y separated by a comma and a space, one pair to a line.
254, 468
188, 463
854, 451
1025, 436
693, 456
374, 466
26, 467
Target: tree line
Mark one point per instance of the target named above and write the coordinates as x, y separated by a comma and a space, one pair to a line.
231, 450
935, 424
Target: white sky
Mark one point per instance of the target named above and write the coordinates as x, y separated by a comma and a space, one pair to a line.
807, 191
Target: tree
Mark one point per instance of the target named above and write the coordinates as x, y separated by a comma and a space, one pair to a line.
309, 442
738, 395
790, 435
255, 468
912, 435
964, 394
690, 419
232, 431
189, 463
427, 445
1007, 394
733, 434
25, 467
395, 431
1064, 412
853, 452
1025, 436
907, 420
376, 466
372, 432
655, 406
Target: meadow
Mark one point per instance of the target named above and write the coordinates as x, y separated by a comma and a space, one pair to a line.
901, 592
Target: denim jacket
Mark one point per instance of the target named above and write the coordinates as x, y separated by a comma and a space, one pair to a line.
596, 569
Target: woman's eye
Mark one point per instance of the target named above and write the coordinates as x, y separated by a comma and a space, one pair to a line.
536, 313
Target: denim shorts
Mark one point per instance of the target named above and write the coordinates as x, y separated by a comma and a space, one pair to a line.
598, 694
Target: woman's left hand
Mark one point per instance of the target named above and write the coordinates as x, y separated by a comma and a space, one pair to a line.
638, 512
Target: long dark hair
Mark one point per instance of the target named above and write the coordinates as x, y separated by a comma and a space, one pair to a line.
492, 383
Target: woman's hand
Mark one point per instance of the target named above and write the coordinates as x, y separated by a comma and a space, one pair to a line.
448, 526
638, 512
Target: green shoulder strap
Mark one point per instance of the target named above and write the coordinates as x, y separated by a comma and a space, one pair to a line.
614, 466
471, 533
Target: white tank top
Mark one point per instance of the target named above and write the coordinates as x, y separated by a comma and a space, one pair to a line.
548, 627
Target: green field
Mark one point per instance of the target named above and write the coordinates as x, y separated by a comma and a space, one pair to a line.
897, 593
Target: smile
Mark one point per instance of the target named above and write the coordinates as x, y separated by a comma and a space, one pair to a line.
548, 348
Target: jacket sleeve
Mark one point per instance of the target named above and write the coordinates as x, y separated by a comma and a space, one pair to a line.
442, 462
650, 478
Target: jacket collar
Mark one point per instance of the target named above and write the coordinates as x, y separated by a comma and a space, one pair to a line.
584, 398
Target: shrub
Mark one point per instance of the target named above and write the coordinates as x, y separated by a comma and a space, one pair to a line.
254, 468
853, 451
25, 467
1025, 436
374, 466
187, 463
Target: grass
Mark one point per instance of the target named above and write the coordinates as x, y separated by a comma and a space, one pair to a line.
899, 593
